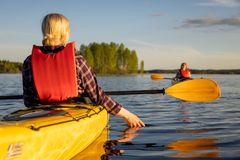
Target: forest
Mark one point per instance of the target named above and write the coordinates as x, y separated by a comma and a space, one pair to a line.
10, 67
111, 58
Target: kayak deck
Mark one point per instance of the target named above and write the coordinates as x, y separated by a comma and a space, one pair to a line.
51, 132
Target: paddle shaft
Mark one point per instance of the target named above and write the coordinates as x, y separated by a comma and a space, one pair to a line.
134, 92
11, 97
168, 78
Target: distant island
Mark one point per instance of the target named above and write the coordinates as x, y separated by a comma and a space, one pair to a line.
197, 71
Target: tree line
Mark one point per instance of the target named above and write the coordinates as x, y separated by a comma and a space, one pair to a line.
10, 67
7, 66
111, 58
197, 71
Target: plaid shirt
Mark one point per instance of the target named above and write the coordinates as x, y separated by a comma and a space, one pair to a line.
86, 79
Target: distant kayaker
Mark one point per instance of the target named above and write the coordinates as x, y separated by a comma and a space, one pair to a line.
183, 73
53, 74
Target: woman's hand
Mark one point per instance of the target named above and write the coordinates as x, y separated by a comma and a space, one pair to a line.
131, 119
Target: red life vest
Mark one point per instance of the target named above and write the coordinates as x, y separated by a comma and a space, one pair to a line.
55, 74
185, 73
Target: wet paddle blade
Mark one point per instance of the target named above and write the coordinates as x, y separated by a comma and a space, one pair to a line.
196, 90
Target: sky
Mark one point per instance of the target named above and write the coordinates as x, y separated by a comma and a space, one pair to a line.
165, 33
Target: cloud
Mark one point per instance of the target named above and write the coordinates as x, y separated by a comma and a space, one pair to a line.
233, 21
223, 3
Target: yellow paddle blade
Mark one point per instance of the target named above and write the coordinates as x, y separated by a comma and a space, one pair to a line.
157, 77
196, 90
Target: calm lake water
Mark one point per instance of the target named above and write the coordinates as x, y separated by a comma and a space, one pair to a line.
174, 129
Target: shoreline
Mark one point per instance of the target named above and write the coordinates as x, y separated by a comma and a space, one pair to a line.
155, 71
196, 71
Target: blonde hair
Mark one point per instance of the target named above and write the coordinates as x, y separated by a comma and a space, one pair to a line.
55, 30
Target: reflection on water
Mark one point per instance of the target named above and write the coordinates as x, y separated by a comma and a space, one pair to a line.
111, 149
193, 148
103, 148
128, 134
96, 150
111, 146
185, 113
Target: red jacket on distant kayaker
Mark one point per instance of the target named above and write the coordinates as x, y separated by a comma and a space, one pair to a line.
183, 72
42, 76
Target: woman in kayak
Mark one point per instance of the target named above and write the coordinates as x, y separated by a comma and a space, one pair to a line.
183, 73
53, 74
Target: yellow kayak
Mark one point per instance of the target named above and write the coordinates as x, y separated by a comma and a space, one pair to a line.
50, 132
95, 150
